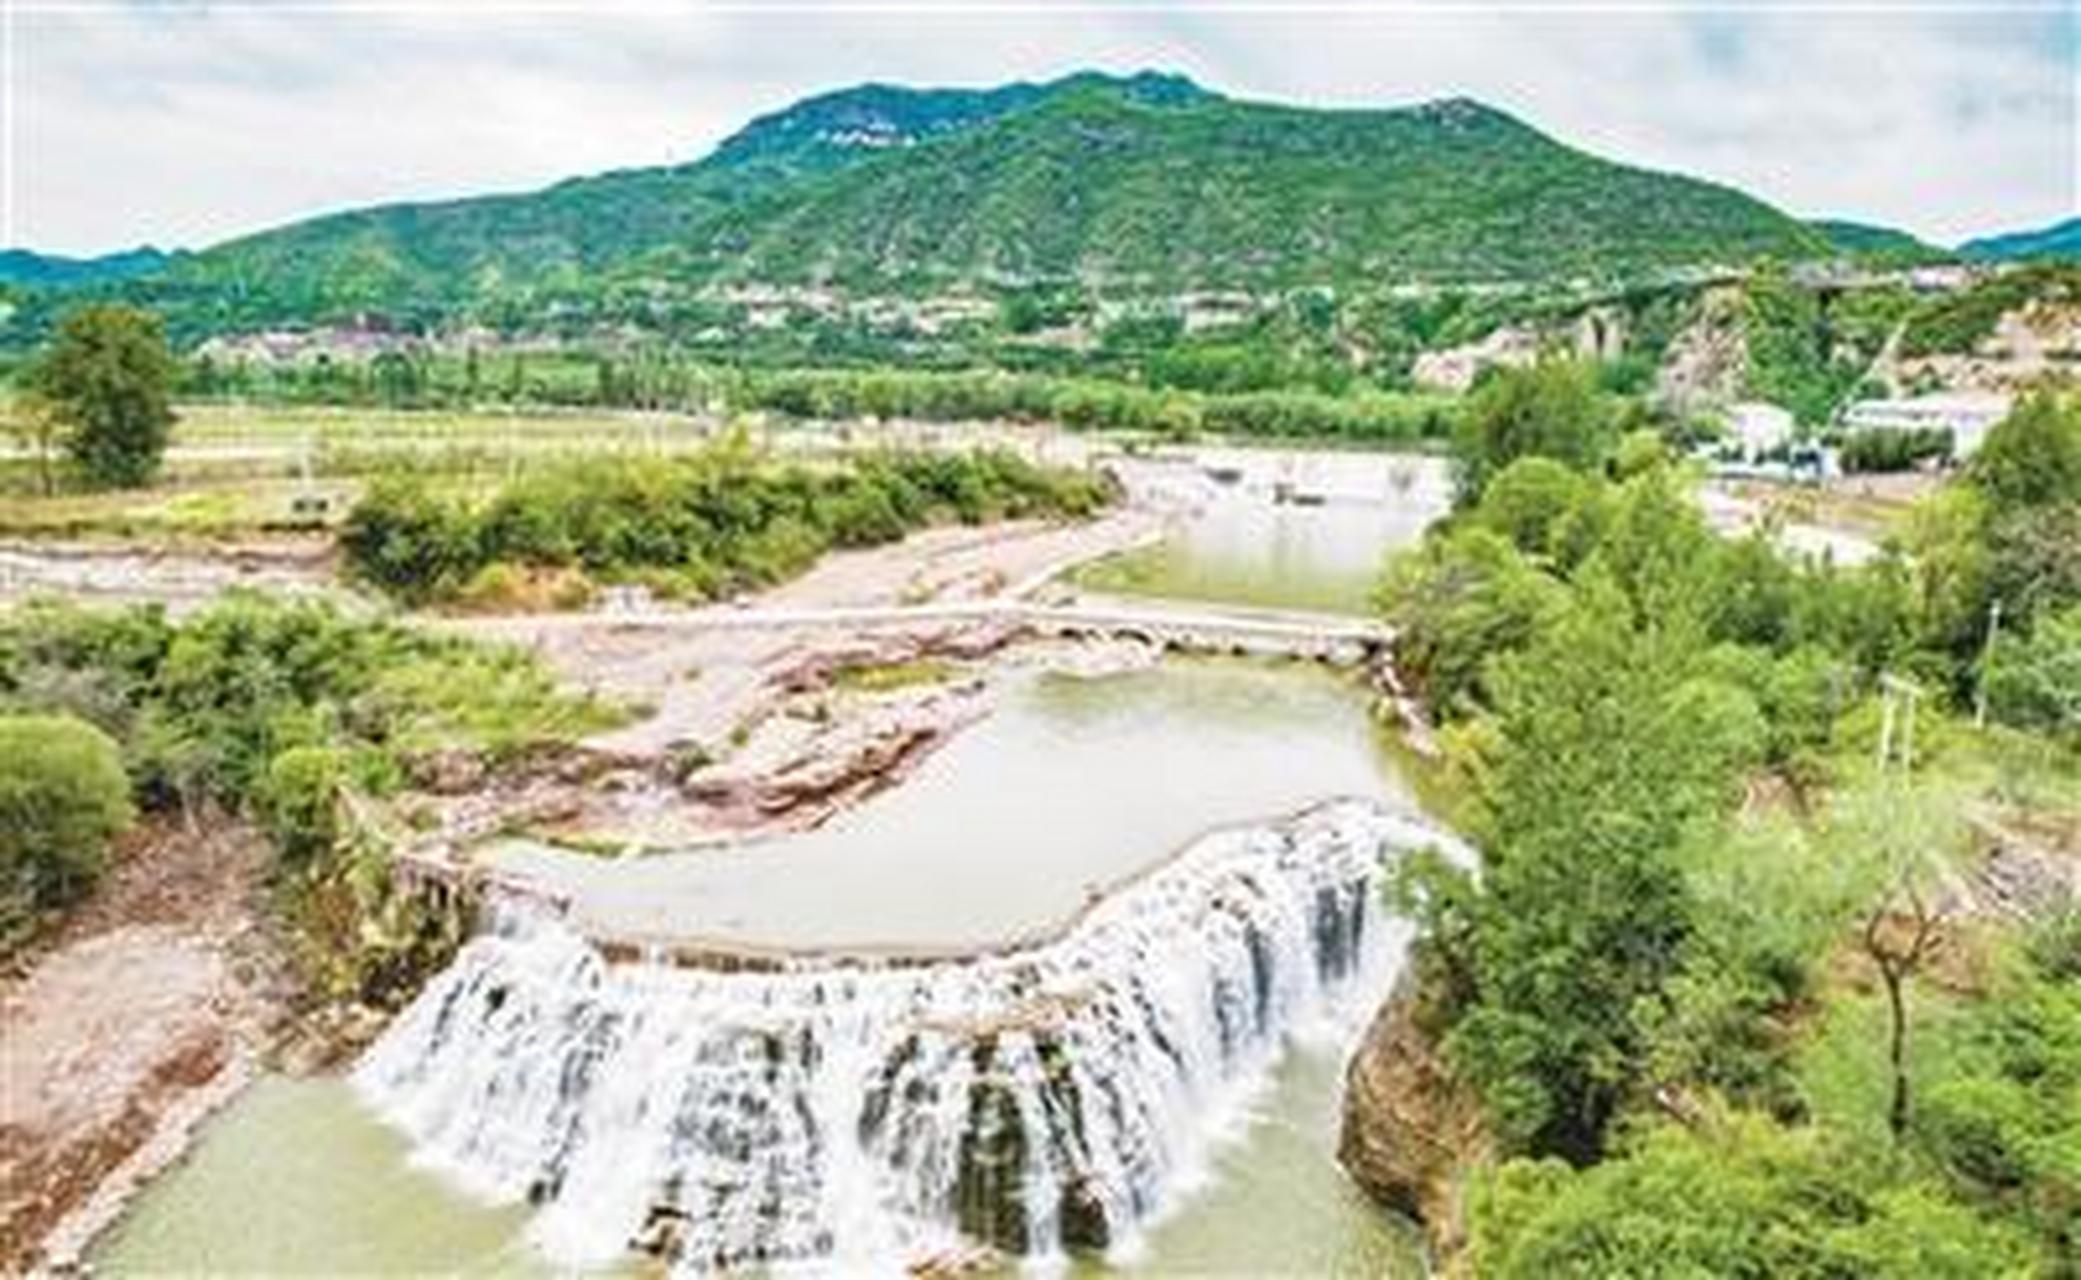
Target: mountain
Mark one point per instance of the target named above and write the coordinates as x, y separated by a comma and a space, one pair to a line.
46, 271
2060, 240
1211, 192
1867, 240
432, 256
1140, 182
833, 129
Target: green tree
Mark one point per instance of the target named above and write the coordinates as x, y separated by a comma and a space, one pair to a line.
2035, 681
2032, 457
1550, 409
63, 796
1735, 1196
1600, 772
107, 376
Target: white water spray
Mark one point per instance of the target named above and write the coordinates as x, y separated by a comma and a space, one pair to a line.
864, 1114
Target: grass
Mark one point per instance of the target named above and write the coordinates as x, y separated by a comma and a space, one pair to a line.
891, 676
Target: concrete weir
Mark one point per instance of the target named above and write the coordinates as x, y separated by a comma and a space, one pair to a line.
725, 1107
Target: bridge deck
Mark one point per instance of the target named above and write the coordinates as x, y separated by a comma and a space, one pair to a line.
1158, 621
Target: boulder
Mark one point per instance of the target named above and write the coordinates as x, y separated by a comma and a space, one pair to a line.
1410, 1125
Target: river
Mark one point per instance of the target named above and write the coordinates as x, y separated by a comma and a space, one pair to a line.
1319, 550
1112, 774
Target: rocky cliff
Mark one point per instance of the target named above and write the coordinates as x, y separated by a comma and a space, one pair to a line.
1410, 1127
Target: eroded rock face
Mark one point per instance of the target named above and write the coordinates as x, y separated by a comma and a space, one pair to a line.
1409, 1125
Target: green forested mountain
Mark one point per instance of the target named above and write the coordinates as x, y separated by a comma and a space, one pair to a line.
2060, 240
50, 271
1213, 193
1869, 240
1138, 183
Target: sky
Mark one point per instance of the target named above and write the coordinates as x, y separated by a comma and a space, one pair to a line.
126, 122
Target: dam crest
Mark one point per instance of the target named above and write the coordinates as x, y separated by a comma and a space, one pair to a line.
868, 1112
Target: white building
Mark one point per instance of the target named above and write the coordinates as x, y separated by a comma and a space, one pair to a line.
1759, 427
1967, 415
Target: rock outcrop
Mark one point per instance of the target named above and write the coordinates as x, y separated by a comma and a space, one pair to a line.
1409, 1126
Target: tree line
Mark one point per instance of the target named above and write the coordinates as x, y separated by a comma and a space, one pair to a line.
1623, 988
701, 526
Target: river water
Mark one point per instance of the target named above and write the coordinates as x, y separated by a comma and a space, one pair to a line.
1072, 783
1321, 550
1113, 773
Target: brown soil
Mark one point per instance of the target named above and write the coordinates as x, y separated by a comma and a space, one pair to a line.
147, 1006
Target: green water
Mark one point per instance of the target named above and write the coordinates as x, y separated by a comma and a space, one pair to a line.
1241, 546
1112, 775
296, 1178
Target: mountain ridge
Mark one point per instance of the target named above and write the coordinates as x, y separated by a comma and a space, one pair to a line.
1145, 180
2058, 240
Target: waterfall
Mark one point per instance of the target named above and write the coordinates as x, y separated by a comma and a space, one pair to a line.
865, 1113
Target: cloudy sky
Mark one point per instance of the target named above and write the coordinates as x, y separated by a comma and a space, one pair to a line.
186, 123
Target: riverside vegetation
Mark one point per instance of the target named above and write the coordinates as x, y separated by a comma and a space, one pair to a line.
268, 710
1704, 914
702, 526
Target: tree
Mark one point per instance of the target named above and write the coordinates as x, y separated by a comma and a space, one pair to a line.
1550, 409
40, 431
1900, 837
107, 377
63, 796
1899, 935
1600, 772
2032, 457
2035, 680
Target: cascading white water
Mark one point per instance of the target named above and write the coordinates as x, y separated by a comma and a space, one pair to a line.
868, 1113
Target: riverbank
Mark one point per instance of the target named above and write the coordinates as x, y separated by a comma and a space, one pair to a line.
148, 1009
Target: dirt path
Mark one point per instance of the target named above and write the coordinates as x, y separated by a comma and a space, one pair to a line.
146, 1010
86, 573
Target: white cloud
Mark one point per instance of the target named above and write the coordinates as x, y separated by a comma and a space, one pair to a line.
188, 124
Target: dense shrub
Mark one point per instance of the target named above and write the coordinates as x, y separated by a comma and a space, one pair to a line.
1881, 450
700, 526
63, 795
203, 707
301, 798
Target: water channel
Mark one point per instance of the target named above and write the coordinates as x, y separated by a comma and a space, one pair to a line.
1111, 775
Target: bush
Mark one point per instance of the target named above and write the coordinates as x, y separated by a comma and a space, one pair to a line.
707, 524
301, 797
1880, 449
63, 796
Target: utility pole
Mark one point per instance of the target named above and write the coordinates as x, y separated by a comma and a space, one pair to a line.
1901, 697
1994, 626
